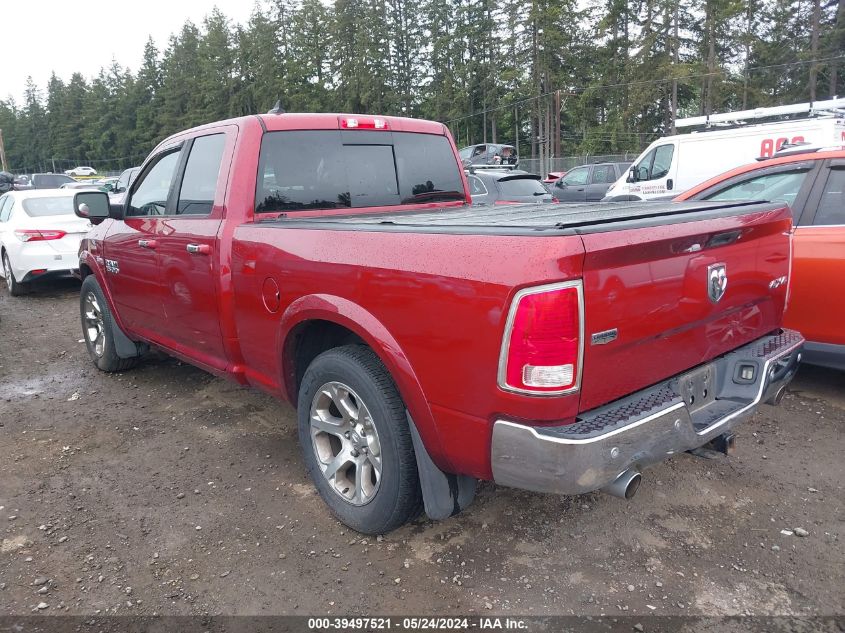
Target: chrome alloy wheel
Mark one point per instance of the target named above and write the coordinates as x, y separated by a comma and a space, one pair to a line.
346, 443
94, 327
7, 272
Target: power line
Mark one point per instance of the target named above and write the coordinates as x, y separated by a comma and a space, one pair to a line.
574, 92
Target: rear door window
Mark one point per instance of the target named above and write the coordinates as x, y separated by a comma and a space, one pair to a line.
603, 174
301, 170
831, 209
781, 186
196, 196
6, 203
476, 187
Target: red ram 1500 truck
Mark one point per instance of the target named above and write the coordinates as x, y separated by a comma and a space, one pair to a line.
335, 261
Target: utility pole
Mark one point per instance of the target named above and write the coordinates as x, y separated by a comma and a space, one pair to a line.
3, 153
557, 125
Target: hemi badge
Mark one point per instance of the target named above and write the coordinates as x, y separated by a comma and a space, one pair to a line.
603, 338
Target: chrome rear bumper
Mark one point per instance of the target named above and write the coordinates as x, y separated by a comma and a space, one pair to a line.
648, 426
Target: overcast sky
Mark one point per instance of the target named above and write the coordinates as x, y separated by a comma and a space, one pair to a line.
42, 36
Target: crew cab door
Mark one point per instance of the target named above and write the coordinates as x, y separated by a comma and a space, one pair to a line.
130, 246
188, 248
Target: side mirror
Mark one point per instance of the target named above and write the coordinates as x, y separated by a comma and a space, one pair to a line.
632, 175
91, 205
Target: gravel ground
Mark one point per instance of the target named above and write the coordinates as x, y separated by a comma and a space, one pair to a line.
165, 490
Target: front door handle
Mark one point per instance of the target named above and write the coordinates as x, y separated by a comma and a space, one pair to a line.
198, 249
151, 244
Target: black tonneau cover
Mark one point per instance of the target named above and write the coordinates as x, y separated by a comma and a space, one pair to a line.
522, 219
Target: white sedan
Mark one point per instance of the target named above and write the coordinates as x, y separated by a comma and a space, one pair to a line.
39, 236
81, 171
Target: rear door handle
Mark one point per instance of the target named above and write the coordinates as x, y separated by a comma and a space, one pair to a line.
151, 244
198, 249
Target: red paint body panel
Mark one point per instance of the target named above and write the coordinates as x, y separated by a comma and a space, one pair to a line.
655, 295
432, 305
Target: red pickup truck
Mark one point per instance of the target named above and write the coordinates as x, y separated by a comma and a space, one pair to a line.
335, 261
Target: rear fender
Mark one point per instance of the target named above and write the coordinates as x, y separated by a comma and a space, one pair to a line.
366, 326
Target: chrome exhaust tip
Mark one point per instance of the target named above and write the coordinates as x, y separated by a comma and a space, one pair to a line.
776, 399
625, 486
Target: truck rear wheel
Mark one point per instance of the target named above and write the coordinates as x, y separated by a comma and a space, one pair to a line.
98, 328
356, 442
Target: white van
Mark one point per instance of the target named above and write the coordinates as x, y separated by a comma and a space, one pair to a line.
673, 164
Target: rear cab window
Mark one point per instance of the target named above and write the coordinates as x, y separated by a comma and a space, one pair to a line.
336, 169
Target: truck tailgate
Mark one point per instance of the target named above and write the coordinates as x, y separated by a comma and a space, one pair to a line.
663, 299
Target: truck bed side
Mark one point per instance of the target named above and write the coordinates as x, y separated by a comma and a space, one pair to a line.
430, 293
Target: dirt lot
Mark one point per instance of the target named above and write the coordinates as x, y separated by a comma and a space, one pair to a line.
165, 490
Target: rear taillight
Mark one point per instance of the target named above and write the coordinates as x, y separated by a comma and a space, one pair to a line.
363, 123
555, 199
26, 235
542, 345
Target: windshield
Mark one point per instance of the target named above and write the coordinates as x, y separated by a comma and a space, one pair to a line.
42, 207
522, 187
334, 169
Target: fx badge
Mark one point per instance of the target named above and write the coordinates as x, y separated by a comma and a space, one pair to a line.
717, 281
111, 266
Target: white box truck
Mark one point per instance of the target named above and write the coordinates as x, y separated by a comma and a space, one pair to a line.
673, 164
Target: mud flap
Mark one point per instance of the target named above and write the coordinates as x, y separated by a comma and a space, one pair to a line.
124, 346
444, 494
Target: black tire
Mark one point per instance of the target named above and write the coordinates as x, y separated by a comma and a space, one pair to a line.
107, 359
398, 497
15, 288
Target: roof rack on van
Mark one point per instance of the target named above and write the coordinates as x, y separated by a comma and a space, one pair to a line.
831, 106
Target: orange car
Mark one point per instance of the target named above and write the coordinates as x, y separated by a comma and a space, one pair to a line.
813, 183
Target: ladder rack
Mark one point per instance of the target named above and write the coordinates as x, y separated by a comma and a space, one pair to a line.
834, 106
